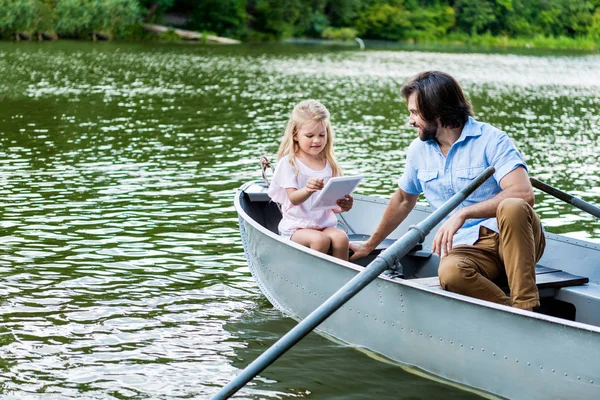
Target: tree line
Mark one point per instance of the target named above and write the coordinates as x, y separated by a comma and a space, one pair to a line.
260, 20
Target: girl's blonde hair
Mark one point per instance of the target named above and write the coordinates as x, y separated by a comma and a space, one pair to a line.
305, 111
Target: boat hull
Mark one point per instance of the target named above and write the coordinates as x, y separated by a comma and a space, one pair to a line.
497, 349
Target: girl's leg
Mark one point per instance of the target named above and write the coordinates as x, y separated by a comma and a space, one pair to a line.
339, 242
312, 238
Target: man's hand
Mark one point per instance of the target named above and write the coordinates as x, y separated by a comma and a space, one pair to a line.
442, 243
315, 184
360, 249
346, 204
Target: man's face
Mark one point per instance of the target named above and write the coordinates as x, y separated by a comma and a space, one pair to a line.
427, 130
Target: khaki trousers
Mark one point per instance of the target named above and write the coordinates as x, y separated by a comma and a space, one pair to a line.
511, 254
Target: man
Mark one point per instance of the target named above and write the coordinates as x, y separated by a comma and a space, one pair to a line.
495, 231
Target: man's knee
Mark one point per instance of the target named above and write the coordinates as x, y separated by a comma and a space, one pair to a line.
513, 208
452, 274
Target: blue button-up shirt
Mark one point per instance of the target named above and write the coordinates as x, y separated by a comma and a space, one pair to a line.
439, 177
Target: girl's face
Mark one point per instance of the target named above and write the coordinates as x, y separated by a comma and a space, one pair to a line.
311, 138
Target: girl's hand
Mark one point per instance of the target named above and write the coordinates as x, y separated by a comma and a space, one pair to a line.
315, 184
346, 204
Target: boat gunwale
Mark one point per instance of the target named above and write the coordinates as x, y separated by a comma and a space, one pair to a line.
407, 282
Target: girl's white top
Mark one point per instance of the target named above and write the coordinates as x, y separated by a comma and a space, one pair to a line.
298, 217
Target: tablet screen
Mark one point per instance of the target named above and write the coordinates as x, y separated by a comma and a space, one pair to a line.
335, 189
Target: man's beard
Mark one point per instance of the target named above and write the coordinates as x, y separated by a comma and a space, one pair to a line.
428, 132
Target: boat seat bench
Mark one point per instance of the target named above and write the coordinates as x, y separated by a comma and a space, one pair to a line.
585, 298
546, 279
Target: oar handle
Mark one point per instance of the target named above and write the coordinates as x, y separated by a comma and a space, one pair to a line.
566, 197
385, 260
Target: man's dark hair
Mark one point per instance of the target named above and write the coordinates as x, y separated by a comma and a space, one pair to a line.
439, 96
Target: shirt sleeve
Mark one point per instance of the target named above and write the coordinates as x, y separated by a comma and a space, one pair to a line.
284, 177
408, 181
504, 156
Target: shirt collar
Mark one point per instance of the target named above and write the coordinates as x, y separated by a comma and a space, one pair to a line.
471, 128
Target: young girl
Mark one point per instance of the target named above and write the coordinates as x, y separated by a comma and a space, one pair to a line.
305, 164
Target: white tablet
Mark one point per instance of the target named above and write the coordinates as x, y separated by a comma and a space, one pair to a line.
336, 189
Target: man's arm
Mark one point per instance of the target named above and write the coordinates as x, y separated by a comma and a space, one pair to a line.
514, 184
400, 205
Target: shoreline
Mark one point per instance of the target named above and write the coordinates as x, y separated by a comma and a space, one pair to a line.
452, 42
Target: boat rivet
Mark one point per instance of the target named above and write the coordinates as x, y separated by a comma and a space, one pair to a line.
505, 357
541, 367
411, 331
591, 381
528, 364
358, 312
472, 348
451, 342
441, 339
430, 336
565, 374
420, 333
482, 349
517, 360
494, 354
461, 345
578, 378
553, 370
393, 324
367, 315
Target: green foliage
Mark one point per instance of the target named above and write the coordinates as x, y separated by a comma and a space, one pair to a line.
529, 22
155, 8
595, 26
228, 17
72, 18
339, 33
384, 21
315, 24
475, 16
342, 12
432, 22
275, 19
24, 16
79, 18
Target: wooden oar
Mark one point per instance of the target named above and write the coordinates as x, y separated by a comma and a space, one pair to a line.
387, 259
566, 197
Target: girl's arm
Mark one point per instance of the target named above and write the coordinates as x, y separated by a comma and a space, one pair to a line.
299, 196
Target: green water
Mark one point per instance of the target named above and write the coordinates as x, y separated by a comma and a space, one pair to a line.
122, 270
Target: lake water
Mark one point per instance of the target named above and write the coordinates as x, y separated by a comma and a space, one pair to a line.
122, 270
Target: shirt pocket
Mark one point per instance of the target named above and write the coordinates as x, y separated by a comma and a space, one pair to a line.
429, 182
469, 173
464, 176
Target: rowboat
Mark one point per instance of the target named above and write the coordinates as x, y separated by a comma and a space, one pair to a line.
405, 316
